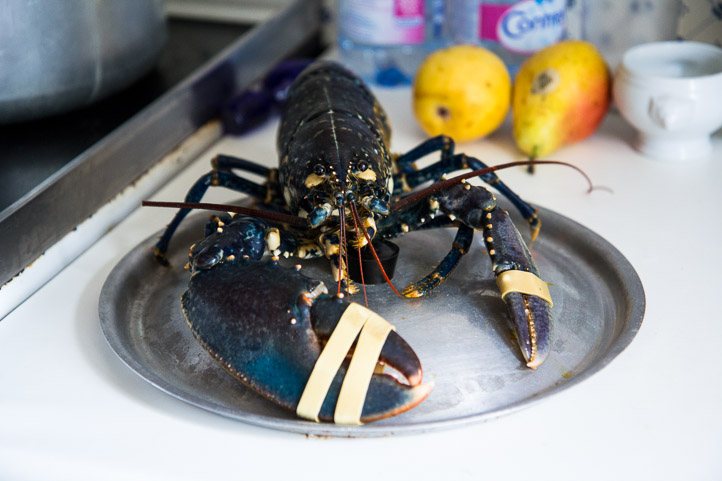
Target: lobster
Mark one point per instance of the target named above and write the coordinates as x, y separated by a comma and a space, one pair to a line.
337, 188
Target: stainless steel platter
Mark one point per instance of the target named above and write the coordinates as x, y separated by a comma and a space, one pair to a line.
460, 332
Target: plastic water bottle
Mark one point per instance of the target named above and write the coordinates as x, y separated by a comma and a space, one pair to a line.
512, 29
384, 41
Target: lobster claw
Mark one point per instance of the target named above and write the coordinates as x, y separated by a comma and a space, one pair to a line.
267, 325
531, 319
526, 296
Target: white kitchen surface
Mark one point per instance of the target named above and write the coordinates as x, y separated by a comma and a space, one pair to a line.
71, 410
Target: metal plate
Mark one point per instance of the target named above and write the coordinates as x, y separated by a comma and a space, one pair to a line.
460, 332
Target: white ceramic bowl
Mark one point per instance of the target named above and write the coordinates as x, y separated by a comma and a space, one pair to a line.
671, 92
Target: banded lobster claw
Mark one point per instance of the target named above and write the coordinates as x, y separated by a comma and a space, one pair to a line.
526, 296
267, 325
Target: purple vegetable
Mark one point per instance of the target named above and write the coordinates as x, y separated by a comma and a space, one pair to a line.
256, 105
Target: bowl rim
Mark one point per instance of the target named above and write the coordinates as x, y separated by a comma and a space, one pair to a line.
670, 49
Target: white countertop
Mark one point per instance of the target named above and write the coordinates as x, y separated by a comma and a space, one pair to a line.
71, 410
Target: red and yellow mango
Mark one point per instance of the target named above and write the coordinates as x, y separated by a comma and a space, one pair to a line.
560, 96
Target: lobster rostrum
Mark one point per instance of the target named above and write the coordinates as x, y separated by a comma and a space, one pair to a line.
337, 189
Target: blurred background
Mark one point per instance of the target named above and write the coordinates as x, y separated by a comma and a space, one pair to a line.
88, 88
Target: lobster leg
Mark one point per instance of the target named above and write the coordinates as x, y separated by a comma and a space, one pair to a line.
227, 162
460, 246
220, 176
405, 162
408, 177
423, 216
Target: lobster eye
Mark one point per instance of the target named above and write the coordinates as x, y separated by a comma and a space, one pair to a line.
362, 165
319, 169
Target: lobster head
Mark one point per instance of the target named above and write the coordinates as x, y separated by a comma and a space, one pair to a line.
332, 145
324, 179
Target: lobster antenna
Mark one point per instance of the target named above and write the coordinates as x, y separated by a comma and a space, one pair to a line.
373, 251
422, 194
360, 261
236, 209
342, 264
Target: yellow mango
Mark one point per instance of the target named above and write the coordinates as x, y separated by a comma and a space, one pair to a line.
560, 96
462, 91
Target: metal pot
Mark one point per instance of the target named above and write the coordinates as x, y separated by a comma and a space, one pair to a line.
56, 56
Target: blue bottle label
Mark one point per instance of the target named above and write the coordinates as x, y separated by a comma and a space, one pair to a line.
523, 27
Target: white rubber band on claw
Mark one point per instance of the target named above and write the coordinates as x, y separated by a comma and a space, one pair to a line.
329, 361
358, 377
523, 282
374, 330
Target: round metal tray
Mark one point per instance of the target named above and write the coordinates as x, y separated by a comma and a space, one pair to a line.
460, 332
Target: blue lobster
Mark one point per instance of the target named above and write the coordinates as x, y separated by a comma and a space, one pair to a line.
338, 188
